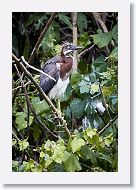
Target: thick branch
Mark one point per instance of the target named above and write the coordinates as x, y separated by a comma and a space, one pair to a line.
74, 22
44, 96
31, 107
41, 37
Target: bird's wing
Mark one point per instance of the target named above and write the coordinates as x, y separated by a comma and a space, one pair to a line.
51, 69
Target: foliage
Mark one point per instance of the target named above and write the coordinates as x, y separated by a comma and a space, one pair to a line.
93, 90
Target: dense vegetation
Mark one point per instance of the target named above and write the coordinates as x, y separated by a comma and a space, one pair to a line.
90, 105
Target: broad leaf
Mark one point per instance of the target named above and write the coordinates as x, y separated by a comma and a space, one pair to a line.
39, 106
71, 163
115, 33
23, 144
65, 19
76, 144
21, 120
102, 39
82, 22
77, 107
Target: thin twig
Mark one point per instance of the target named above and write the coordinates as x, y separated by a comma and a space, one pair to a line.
41, 37
14, 134
31, 108
104, 102
108, 125
40, 71
86, 50
45, 97
21, 86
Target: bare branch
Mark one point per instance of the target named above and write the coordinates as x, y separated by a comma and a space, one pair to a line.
108, 125
86, 50
45, 97
74, 22
31, 107
16, 137
41, 37
40, 71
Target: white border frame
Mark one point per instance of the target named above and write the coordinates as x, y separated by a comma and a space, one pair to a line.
123, 174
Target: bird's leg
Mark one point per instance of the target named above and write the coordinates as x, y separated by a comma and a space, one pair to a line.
58, 106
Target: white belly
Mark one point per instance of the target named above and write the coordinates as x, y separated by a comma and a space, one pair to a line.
59, 89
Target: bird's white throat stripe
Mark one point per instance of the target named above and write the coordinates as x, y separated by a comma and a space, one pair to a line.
59, 89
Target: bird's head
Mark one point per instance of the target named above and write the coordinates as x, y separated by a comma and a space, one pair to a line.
68, 48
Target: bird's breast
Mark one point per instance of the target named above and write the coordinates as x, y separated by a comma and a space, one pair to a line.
59, 89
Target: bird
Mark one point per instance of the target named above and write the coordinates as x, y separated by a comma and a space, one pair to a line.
59, 68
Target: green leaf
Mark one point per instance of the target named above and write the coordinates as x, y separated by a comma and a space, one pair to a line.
58, 168
75, 78
115, 33
39, 106
94, 88
84, 89
58, 153
23, 144
99, 61
84, 39
15, 165
108, 158
48, 162
36, 132
65, 19
76, 144
77, 107
102, 39
71, 163
89, 154
81, 22
21, 120
42, 154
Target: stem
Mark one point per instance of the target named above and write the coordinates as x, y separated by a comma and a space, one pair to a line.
40, 71
41, 37
86, 50
45, 97
74, 22
104, 101
108, 125
29, 105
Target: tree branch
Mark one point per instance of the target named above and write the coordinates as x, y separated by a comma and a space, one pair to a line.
40, 71
31, 107
108, 125
74, 22
45, 97
86, 50
41, 37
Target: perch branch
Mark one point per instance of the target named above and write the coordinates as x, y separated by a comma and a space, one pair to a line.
31, 107
45, 97
41, 37
108, 125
